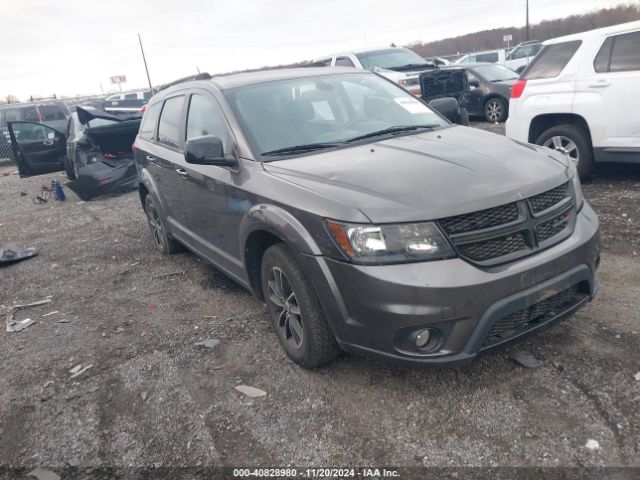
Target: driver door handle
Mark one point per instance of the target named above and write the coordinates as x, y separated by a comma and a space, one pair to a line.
600, 84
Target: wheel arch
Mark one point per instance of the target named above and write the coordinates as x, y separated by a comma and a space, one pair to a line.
264, 226
543, 122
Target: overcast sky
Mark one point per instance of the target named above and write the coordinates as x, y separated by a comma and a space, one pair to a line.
72, 47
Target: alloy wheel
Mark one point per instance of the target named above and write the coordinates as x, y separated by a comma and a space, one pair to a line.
494, 110
156, 226
287, 310
564, 145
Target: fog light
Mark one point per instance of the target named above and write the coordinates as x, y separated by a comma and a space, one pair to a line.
422, 339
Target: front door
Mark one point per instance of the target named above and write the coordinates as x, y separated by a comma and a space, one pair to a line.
37, 148
212, 204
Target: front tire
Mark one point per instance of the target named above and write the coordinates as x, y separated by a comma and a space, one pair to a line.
294, 310
161, 239
571, 141
495, 110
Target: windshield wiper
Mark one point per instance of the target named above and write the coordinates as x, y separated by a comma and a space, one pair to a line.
391, 130
300, 148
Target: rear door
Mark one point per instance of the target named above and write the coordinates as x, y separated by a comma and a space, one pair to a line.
37, 148
609, 83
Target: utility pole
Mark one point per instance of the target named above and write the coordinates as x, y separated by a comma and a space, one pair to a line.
145, 62
527, 20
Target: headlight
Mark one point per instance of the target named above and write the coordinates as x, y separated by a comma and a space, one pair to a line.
413, 242
577, 186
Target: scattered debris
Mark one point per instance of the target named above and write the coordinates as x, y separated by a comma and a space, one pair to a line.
154, 307
118, 330
50, 313
592, 444
42, 474
144, 396
170, 274
252, 392
134, 264
8, 256
79, 370
74, 461
208, 343
637, 376
526, 360
17, 326
48, 384
64, 320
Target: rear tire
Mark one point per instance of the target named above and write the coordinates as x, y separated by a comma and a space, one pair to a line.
161, 239
294, 310
495, 110
572, 141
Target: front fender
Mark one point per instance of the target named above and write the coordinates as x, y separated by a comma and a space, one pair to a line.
281, 223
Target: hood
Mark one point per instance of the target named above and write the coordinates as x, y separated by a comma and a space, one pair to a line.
398, 74
427, 176
89, 112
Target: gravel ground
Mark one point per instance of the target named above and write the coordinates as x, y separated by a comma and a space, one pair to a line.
153, 398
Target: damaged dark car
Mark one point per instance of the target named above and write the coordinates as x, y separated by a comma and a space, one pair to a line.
96, 152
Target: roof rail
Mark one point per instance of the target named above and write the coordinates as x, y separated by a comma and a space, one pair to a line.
190, 78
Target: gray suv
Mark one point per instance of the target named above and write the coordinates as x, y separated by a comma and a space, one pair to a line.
364, 219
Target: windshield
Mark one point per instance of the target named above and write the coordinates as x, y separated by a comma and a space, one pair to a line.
325, 109
390, 58
495, 73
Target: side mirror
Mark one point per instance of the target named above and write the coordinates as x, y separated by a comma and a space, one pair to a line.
207, 150
447, 107
474, 83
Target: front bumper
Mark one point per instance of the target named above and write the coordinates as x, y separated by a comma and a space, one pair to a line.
373, 309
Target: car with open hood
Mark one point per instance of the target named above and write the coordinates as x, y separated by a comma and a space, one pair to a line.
95, 150
364, 219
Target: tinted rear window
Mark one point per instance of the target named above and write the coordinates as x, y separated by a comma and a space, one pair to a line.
51, 112
148, 125
487, 57
551, 60
169, 127
625, 55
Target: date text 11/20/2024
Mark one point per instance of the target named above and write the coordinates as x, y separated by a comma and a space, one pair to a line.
316, 472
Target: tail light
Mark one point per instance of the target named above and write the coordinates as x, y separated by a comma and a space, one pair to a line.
518, 88
133, 147
143, 108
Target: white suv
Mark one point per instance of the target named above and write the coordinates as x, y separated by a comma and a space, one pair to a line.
581, 96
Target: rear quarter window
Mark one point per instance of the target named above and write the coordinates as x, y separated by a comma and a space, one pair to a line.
149, 121
551, 60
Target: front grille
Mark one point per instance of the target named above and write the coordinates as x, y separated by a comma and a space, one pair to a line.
511, 231
491, 217
528, 318
496, 247
543, 201
436, 84
549, 229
